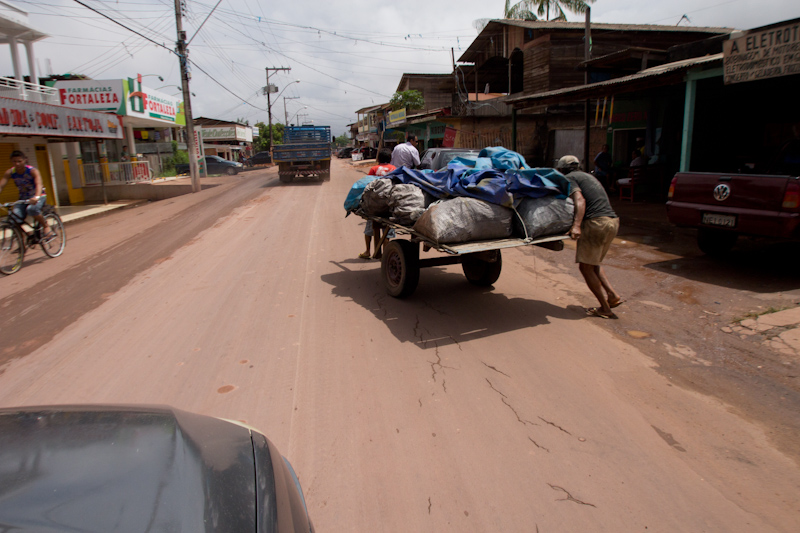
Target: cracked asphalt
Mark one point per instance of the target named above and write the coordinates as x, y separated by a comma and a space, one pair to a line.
457, 409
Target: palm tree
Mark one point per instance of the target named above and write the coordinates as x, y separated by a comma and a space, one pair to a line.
558, 6
521, 10
529, 9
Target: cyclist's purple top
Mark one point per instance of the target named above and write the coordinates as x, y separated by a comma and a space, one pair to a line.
25, 183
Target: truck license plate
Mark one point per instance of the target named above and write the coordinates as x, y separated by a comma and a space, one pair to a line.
715, 219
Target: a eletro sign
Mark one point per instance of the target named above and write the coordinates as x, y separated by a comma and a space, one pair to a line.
763, 53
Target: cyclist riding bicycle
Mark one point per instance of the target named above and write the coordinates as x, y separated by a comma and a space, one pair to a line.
29, 183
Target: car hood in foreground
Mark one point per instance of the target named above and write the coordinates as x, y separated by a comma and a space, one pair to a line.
125, 469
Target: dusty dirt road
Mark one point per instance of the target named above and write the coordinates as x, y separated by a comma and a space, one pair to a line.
458, 409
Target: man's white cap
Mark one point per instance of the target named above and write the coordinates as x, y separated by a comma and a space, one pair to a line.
568, 161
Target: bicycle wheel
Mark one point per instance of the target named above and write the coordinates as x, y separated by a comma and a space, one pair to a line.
54, 246
12, 249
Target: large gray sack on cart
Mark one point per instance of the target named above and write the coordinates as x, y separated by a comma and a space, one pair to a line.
377, 198
544, 216
464, 220
407, 203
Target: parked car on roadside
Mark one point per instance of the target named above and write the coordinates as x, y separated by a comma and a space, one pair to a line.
261, 158
214, 165
344, 152
366, 151
142, 468
438, 158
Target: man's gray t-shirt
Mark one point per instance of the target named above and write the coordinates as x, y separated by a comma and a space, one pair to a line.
597, 204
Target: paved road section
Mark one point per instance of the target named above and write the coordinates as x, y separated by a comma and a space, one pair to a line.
458, 409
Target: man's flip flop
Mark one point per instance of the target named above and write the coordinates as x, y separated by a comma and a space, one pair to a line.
363, 255
596, 311
616, 304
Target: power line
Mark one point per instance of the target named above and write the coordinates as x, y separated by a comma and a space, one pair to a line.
127, 28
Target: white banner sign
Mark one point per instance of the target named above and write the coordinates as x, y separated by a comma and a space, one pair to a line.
227, 133
20, 117
95, 95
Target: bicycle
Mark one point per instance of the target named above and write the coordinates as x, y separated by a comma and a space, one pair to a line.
14, 239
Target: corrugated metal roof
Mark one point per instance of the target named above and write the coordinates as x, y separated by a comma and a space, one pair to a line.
661, 70
494, 27
600, 26
370, 108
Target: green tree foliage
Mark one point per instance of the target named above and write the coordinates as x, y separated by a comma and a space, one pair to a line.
409, 99
242, 121
178, 157
261, 144
341, 140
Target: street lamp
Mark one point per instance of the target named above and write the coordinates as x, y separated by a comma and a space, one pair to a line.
304, 107
146, 75
175, 86
287, 86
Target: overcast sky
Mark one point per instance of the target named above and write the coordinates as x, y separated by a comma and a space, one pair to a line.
347, 55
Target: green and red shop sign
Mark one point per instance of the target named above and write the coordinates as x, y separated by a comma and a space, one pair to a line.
127, 97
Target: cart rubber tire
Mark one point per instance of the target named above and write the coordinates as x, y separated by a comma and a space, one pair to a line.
400, 267
714, 242
481, 272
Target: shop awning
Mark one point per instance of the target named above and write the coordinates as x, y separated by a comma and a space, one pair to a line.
23, 118
667, 74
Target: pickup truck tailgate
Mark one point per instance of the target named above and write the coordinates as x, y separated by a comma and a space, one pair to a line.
741, 203
744, 190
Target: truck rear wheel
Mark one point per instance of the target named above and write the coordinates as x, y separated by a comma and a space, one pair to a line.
284, 174
714, 242
400, 268
481, 271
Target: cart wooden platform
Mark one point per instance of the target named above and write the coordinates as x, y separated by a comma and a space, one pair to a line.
481, 260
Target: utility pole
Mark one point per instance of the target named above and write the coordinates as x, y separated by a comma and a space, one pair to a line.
183, 57
587, 55
269, 104
285, 114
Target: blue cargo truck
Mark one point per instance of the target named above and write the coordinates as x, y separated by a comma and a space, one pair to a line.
305, 152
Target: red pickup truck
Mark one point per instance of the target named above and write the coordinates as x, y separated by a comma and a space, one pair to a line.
724, 206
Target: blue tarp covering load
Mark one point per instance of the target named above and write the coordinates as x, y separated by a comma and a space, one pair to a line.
498, 176
477, 198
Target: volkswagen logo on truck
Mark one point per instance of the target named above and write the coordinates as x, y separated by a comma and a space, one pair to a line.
721, 192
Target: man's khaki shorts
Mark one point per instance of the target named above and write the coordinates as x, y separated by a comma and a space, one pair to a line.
595, 240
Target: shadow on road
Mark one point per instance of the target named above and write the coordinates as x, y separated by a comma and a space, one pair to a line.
445, 309
752, 266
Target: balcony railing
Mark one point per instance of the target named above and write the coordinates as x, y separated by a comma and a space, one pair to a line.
115, 173
22, 90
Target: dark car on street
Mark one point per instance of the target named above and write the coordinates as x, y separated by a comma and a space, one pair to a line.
344, 152
438, 158
261, 158
136, 468
214, 165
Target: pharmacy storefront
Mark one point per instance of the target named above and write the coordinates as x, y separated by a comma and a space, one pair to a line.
148, 116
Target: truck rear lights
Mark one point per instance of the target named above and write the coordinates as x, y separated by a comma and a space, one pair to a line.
791, 198
671, 187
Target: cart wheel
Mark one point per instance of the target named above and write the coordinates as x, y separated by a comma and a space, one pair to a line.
480, 271
400, 267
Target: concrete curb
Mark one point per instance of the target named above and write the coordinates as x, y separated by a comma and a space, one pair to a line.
98, 211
